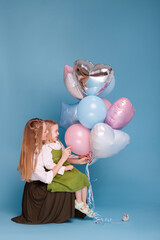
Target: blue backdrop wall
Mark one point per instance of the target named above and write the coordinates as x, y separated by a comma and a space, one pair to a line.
37, 38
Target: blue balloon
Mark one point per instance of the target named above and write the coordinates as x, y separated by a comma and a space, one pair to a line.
91, 110
68, 115
108, 89
93, 86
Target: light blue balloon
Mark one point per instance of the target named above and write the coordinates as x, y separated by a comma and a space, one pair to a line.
91, 110
108, 89
92, 91
68, 115
93, 86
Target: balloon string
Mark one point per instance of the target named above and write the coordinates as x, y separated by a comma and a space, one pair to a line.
90, 200
90, 196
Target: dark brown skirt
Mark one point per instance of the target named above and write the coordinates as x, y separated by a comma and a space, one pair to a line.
40, 206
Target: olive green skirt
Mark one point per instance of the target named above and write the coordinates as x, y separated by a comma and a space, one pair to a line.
70, 181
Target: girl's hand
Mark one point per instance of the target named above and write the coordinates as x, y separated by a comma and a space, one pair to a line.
66, 153
86, 155
84, 160
68, 168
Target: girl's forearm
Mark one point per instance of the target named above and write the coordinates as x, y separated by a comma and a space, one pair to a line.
73, 160
57, 167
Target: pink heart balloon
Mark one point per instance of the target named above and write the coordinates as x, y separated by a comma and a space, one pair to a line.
120, 113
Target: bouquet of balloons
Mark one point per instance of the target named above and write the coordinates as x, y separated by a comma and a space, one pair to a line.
93, 124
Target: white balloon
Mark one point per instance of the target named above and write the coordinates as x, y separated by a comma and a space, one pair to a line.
106, 142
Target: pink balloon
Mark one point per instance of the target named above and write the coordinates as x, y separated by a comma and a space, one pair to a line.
78, 137
108, 104
120, 113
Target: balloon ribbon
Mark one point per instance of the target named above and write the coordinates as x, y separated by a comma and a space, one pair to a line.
90, 200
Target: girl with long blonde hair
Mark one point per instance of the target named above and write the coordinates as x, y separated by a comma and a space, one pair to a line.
39, 205
31, 147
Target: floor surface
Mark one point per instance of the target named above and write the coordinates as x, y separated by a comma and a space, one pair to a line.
144, 224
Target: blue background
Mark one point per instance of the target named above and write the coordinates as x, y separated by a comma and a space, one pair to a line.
37, 38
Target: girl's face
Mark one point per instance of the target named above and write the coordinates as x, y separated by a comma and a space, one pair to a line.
55, 133
44, 133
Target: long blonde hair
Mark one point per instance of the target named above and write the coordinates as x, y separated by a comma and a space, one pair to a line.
31, 147
49, 124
